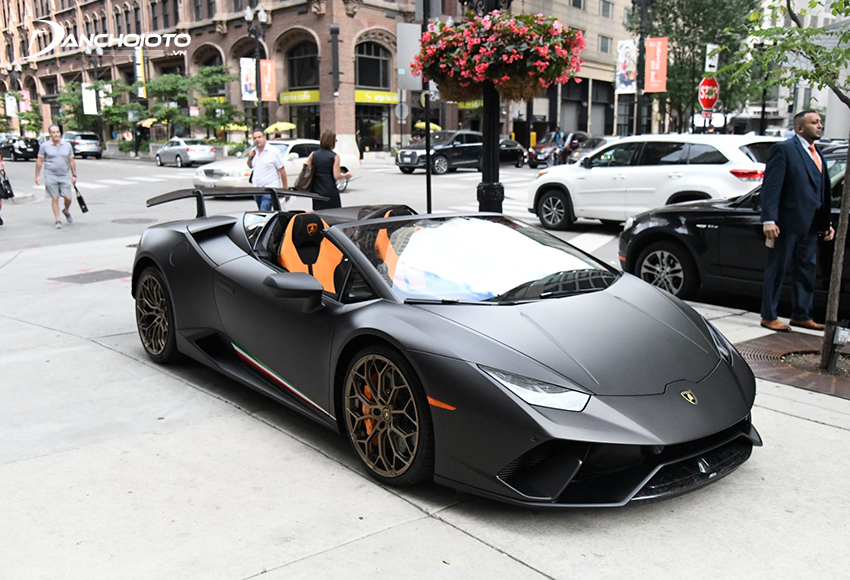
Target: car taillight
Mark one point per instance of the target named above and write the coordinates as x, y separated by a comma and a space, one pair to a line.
748, 174
189, 149
76, 142
100, 143
212, 149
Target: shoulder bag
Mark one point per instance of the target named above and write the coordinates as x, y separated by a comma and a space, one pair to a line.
305, 178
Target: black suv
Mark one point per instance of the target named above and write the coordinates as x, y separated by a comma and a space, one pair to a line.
450, 150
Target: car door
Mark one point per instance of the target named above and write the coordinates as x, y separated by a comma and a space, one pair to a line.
598, 189
166, 153
742, 253
656, 175
276, 337
472, 149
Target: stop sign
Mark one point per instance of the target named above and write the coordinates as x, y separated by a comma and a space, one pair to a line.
709, 92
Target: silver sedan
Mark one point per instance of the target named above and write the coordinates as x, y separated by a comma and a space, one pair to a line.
184, 152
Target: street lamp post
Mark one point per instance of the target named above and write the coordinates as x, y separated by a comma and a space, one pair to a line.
96, 59
257, 31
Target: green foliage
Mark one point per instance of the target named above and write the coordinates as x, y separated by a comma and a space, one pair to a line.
209, 79
128, 146
71, 113
237, 148
689, 25
31, 120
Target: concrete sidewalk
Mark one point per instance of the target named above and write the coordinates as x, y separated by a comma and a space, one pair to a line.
114, 467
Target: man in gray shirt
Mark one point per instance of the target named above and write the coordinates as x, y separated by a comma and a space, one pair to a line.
60, 172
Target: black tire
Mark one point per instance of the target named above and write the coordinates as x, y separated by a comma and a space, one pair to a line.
342, 184
554, 210
669, 266
612, 223
98, 156
155, 317
386, 417
439, 165
518, 162
406, 170
158, 161
179, 162
532, 165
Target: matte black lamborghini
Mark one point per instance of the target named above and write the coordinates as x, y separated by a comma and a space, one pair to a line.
472, 350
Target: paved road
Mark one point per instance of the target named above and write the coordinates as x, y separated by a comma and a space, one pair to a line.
114, 467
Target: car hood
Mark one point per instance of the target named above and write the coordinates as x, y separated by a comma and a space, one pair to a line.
627, 340
418, 146
543, 147
228, 164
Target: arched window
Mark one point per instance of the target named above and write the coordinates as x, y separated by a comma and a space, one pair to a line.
303, 61
373, 66
118, 23
103, 22
127, 22
154, 16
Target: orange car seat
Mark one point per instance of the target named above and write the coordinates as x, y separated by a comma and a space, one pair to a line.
305, 249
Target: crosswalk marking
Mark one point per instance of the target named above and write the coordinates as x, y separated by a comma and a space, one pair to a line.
116, 182
590, 241
87, 185
173, 175
145, 179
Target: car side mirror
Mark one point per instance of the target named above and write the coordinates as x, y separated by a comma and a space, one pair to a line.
586, 162
291, 156
296, 285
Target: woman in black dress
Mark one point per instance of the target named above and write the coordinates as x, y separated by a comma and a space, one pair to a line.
326, 172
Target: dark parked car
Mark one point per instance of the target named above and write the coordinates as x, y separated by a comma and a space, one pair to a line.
548, 150
451, 150
18, 148
512, 152
471, 350
85, 143
718, 245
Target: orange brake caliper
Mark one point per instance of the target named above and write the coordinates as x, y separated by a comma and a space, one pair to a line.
370, 423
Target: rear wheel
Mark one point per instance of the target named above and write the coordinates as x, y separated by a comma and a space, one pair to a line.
518, 161
440, 164
386, 417
532, 165
406, 170
98, 156
155, 317
554, 210
669, 266
342, 184
179, 161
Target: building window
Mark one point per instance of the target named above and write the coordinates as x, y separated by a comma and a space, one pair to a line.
88, 28
210, 8
237, 5
118, 23
165, 14
628, 14
176, 13
198, 15
577, 4
373, 66
103, 23
94, 25
127, 21
604, 45
606, 9
155, 16
137, 12
304, 66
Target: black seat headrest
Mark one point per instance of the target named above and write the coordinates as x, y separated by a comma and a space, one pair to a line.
307, 236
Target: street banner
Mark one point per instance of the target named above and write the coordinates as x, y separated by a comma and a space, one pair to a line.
655, 74
627, 54
11, 106
268, 82
194, 111
248, 78
711, 60
89, 100
139, 62
24, 105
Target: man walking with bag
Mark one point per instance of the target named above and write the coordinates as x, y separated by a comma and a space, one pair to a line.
60, 172
795, 209
268, 170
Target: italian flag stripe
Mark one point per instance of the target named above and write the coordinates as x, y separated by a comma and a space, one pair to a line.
243, 354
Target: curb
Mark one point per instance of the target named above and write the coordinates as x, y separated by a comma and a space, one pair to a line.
27, 197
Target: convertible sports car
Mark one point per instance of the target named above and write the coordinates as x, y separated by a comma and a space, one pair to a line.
472, 350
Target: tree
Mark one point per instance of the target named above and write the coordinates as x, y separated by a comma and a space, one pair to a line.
818, 57
29, 120
71, 109
168, 91
218, 114
689, 25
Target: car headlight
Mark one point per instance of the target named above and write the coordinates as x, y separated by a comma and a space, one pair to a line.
724, 347
199, 172
538, 393
629, 223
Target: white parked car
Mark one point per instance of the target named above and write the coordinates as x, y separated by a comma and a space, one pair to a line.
642, 172
234, 172
184, 151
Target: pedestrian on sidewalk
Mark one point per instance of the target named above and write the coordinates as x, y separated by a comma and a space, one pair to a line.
268, 170
60, 172
795, 210
5, 187
326, 172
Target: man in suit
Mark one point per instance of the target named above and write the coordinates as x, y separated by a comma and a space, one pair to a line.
795, 209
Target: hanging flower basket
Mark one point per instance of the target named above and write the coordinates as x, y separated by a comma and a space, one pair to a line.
522, 55
452, 90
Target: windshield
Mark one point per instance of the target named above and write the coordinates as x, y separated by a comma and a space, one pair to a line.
476, 259
758, 152
549, 139
88, 136
193, 142
282, 147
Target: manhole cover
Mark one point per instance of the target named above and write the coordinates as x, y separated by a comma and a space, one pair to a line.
133, 221
90, 277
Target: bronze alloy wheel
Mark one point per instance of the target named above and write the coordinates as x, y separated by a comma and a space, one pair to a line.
152, 315
382, 416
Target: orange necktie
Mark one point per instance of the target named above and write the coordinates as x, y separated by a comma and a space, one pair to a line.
816, 157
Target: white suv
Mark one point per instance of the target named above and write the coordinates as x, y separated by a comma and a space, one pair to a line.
639, 173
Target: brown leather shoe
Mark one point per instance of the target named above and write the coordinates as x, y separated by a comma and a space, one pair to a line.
775, 324
810, 324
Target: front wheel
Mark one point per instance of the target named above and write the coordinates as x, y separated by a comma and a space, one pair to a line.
386, 417
406, 170
155, 317
440, 165
158, 161
554, 210
179, 161
668, 266
532, 165
342, 184
519, 161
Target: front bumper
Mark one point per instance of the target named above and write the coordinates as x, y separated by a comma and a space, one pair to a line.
88, 149
411, 159
213, 180
201, 157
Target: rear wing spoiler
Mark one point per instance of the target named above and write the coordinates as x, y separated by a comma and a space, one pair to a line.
199, 195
